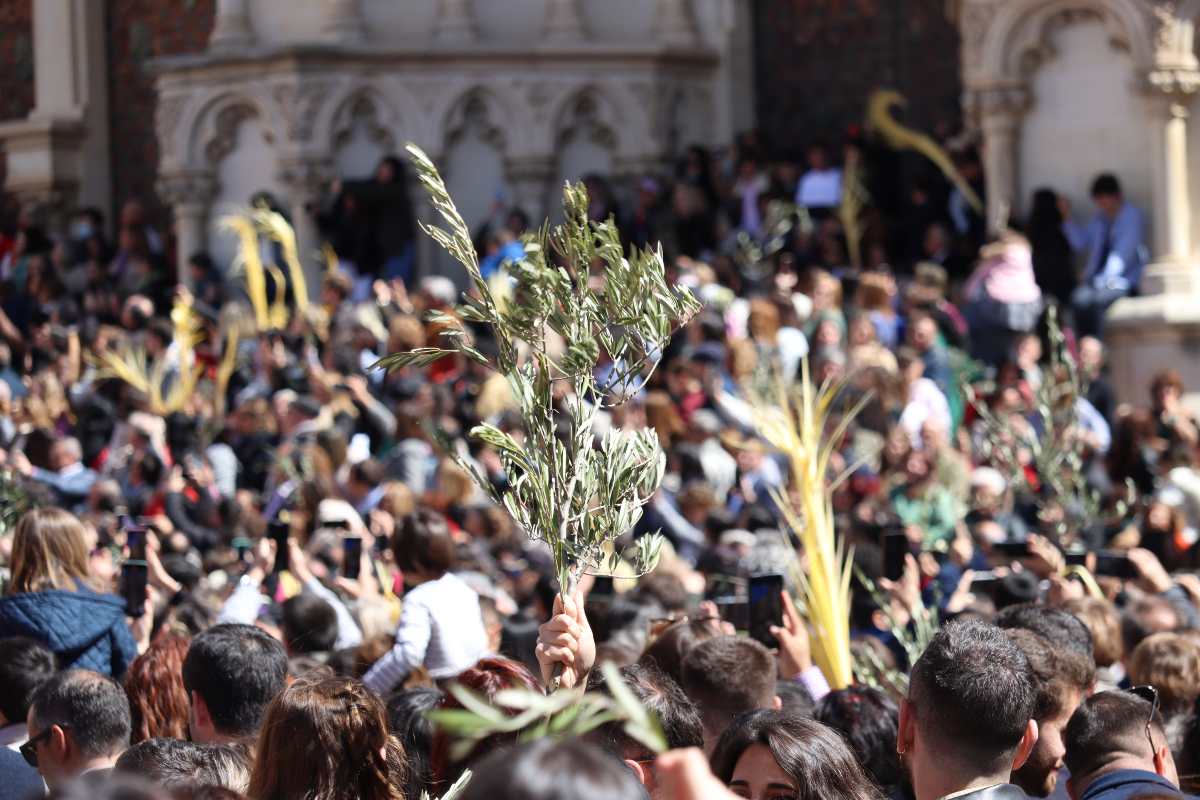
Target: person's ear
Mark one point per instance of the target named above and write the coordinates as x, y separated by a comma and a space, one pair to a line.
906, 729
59, 743
638, 770
1026, 745
777, 703
1160, 760
201, 720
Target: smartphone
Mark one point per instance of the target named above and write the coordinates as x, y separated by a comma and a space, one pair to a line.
1012, 549
895, 548
1076, 558
766, 607
602, 587
1115, 564
135, 540
242, 546
734, 610
984, 582
278, 530
351, 556
134, 572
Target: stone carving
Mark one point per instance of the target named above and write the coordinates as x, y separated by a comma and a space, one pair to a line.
306, 177
583, 119
190, 189
362, 109
167, 116
973, 26
564, 21
455, 22
471, 113
225, 130
299, 105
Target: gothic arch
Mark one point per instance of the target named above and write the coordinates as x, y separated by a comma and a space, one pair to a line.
478, 106
587, 111
213, 127
364, 103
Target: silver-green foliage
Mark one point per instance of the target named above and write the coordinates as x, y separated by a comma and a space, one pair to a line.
564, 490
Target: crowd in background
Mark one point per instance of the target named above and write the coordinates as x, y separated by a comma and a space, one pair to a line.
268, 665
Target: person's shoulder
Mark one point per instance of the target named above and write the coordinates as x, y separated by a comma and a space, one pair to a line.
18, 780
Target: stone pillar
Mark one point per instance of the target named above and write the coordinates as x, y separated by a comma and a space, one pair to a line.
1000, 112
343, 21
305, 180
190, 196
231, 26
530, 177
564, 21
455, 22
674, 24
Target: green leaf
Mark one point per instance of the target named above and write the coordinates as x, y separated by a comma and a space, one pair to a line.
421, 357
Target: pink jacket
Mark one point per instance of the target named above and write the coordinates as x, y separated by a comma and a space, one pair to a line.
1005, 274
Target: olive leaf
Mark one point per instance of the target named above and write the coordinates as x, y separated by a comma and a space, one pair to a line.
575, 283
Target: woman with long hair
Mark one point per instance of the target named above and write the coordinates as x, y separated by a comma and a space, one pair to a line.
158, 701
766, 755
52, 596
1053, 260
326, 739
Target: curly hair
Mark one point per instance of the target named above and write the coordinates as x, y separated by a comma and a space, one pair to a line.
158, 700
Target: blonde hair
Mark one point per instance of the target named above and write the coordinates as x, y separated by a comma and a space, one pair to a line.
1170, 663
49, 551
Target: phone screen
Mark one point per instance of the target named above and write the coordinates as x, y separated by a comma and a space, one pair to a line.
766, 607
895, 548
278, 531
135, 540
1115, 564
1012, 549
351, 556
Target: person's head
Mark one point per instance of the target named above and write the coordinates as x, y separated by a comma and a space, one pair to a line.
1061, 677
924, 333
65, 452
1106, 194
1055, 625
768, 754
868, 719
1113, 731
25, 664
158, 700
1145, 616
173, 764
970, 706
407, 712
662, 697
78, 720
310, 624
1170, 662
1091, 355
231, 673
726, 676
549, 770
49, 551
325, 738
818, 156
422, 546
673, 645
1104, 624
1166, 387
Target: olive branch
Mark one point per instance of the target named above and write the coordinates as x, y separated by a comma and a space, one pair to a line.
575, 282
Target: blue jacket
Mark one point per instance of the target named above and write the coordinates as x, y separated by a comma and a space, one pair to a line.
18, 780
84, 629
1126, 784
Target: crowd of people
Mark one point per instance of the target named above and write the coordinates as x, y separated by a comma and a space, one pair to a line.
319, 571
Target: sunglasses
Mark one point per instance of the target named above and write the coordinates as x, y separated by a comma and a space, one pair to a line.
29, 749
1150, 695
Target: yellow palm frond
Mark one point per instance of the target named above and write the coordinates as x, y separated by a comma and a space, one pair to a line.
329, 258
880, 119
278, 230
225, 370
854, 201
279, 310
249, 259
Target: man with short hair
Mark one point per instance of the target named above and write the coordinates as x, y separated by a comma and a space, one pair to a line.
25, 664
174, 764
79, 722
662, 697
967, 722
1117, 749
727, 676
1115, 243
1062, 676
231, 673
69, 478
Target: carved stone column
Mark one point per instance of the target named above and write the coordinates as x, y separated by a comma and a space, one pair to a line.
674, 24
1170, 93
305, 180
530, 177
231, 26
343, 21
190, 196
455, 22
564, 21
1000, 110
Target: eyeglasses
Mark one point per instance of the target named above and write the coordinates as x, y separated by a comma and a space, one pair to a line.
29, 749
1150, 695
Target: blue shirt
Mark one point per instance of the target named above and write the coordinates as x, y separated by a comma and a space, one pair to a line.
1126, 784
1127, 256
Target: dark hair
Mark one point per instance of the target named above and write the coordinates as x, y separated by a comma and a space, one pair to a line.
407, 721
326, 738
816, 757
1053, 624
174, 763
549, 770
662, 697
422, 543
92, 706
728, 675
25, 664
1056, 671
1107, 725
869, 721
237, 670
1106, 184
972, 693
1141, 619
310, 625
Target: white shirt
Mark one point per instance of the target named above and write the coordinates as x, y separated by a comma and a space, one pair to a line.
925, 401
440, 627
820, 188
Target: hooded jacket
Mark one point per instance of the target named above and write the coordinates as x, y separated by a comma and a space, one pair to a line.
85, 629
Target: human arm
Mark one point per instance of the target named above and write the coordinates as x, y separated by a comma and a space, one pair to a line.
243, 605
566, 639
1128, 238
349, 634
412, 640
795, 652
